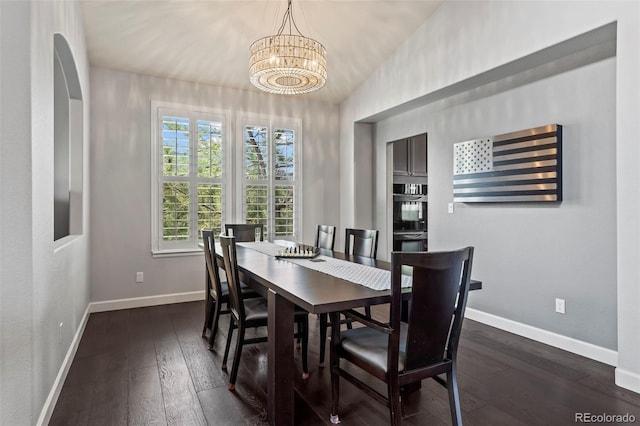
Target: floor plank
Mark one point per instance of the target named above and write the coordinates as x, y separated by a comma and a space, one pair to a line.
180, 399
150, 366
145, 403
110, 402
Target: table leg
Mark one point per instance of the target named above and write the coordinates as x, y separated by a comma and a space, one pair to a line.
280, 360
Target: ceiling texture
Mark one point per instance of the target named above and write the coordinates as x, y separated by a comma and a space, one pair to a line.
207, 41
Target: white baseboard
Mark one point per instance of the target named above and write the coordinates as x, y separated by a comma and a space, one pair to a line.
628, 380
54, 393
141, 302
569, 344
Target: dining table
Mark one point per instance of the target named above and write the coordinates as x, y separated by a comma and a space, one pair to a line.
307, 283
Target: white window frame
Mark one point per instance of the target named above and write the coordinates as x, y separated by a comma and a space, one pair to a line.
159, 247
271, 123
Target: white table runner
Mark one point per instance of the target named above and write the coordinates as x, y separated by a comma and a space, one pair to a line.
368, 276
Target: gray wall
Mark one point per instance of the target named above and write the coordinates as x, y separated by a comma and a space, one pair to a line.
445, 58
43, 283
121, 176
529, 254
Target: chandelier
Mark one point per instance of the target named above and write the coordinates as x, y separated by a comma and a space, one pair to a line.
288, 64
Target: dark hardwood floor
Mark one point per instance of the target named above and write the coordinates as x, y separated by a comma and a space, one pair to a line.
150, 366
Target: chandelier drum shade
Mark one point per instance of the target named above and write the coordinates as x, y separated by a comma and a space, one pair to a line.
288, 64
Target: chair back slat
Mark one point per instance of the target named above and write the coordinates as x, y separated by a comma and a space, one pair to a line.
461, 305
438, 299
365, 242
213, 271
325, 237
245, 232
236, 305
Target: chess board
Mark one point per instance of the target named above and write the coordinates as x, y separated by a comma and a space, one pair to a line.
300, 252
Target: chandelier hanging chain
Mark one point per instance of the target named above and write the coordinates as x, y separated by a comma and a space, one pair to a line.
288, 16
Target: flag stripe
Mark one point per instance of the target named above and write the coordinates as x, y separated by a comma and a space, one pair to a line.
528, 159
532, 165
500, 173
537, 187
480, 185
525, 152
526, 135
486, 198
499, 146
506, 178
508, 193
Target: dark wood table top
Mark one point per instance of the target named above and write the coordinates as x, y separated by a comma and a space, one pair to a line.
314, 291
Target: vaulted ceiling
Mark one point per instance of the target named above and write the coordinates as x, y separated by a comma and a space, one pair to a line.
207, 41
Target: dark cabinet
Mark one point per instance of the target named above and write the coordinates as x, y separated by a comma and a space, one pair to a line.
418, 155
410, 156
401, 157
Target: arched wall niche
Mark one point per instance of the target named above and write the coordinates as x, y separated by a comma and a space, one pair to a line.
68, 138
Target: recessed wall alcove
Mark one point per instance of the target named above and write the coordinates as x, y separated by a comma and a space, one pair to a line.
67, 142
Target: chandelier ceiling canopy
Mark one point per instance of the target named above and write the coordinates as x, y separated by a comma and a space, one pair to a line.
288, 64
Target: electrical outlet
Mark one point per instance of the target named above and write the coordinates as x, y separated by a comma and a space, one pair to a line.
450, 208
139, 277
60, 327
560, 306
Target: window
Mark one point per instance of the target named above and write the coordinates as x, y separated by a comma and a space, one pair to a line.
196, 183
270, 176
188, 148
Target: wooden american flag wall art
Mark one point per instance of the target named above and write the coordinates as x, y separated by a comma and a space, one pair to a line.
515, 167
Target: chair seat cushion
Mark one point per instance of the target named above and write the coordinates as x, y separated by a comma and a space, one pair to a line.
245, 289
256, 309
248, 292
371, 346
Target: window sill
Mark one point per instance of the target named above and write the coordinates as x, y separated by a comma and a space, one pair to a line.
176, 253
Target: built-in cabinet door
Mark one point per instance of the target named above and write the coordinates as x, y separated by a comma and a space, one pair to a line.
418, 155
410, 156
401, 157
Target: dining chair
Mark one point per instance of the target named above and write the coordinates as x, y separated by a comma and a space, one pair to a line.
251, 313
325, 237
365, 244
245, 232
399, 353
216, 290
